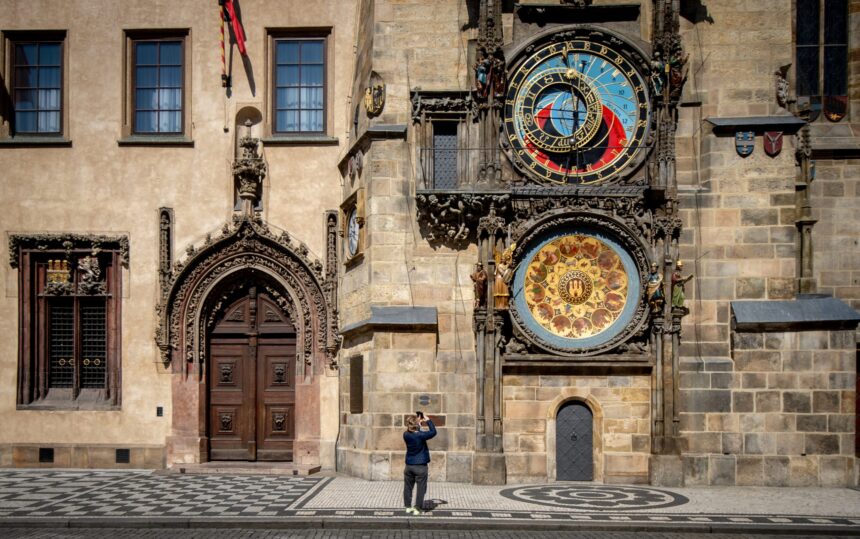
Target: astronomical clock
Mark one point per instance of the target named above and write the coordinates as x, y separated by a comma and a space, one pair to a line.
576, 112
576, 126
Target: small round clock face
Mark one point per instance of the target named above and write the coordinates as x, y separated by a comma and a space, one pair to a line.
352, 233
576, 112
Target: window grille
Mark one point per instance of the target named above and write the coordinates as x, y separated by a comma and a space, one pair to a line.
93, 344
62, 344
444, 155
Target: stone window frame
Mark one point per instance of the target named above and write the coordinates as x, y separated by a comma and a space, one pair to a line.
8, 136
128, 135
32, 256
430, 109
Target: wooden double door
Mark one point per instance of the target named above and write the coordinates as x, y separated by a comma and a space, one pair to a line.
252, 381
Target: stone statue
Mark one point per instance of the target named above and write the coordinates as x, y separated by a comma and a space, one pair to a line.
479, 277
678, 281
654, 289
504, 272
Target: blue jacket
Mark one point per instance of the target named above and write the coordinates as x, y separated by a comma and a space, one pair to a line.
416, 445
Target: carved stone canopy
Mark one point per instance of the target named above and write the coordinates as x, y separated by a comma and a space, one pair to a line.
67, 242
247, 245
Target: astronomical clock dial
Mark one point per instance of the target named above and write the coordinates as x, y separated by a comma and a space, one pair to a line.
352, 230
576, 112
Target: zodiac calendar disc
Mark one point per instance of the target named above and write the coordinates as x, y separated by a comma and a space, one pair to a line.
576, 289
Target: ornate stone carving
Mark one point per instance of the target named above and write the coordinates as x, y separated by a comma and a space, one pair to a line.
246, 244
450, 217
68, 243
249, 170
441, 102
58, 278
90, 277
782, 86
165, 246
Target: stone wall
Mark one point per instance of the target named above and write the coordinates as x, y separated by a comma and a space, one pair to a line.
835, 198
780, 412
621, 405
404, 371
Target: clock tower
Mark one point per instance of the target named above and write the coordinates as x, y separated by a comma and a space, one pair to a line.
578, 229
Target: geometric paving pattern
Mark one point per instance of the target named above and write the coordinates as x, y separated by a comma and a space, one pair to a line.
134, 498
74, 494
595, 497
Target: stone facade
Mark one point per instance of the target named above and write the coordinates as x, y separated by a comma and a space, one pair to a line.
687, 396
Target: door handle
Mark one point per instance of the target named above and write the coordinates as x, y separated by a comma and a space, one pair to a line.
573, 437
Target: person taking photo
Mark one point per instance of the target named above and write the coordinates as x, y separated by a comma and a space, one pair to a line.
417, 458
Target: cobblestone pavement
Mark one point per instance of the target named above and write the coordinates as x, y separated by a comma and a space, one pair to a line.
120, 533
127, 499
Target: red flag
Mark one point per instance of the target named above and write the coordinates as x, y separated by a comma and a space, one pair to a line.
237, 27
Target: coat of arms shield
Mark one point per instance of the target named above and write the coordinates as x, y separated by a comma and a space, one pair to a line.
745, 142
772, 142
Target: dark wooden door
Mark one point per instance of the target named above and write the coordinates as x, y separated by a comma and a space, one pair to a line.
573, 443
251, 382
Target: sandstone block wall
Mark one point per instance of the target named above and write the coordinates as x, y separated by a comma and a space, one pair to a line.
835, 197
621, 405
780, 412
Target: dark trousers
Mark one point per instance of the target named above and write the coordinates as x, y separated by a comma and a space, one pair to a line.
412, 474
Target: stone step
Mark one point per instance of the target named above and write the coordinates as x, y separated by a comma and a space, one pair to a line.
246, 468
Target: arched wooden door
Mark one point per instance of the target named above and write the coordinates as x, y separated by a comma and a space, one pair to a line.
251, 381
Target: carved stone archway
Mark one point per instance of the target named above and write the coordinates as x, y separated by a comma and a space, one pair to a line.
191, 294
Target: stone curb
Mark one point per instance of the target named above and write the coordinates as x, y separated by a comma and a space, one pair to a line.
421, 523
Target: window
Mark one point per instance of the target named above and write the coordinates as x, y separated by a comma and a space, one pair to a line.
444, 155
69, 311
299, 85
36, 83
158, 86
821, 55
356, 384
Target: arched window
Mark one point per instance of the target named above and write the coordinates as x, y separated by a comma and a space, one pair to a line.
821, 57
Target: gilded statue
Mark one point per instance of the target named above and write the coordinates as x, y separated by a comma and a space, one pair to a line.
504, 273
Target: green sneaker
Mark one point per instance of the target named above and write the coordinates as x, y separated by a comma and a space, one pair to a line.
410, 510
416, 511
